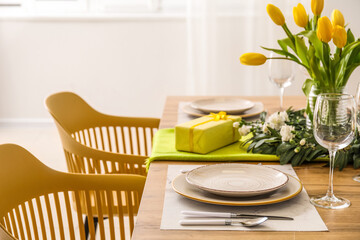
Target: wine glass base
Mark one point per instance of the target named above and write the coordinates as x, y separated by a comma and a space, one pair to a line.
330, 202
356, 178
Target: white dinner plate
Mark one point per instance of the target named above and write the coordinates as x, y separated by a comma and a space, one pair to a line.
228, 105
256, 110
236, 179
290, 190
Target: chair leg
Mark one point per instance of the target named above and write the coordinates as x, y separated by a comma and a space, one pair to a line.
86, 226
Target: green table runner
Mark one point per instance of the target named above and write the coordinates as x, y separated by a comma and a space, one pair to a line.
164, 149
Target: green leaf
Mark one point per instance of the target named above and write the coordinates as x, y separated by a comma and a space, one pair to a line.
285, 43
283, 147
313, 155
356, 159
286, 157
350, 37
283, 53
311, 35
326, 56
259, 143
297, 158
307, 152
306, 88
314, 66
301, 50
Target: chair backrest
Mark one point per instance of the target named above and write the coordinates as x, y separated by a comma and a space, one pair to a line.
76, 120
35, 200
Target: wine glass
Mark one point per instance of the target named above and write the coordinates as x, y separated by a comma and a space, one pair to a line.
281, 73
357, 98
334, 128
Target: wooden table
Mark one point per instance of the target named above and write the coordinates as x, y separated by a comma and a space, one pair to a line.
342, 224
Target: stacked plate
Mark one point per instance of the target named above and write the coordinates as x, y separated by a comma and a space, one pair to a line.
233, 106
237, 185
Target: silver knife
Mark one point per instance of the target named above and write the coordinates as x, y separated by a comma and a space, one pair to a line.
230, 215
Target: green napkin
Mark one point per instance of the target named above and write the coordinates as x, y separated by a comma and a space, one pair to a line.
164, 149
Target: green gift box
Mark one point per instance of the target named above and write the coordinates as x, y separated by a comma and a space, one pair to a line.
206, 134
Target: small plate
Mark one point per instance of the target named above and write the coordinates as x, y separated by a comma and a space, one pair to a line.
256, 110
228, 105
290, 190
237, 180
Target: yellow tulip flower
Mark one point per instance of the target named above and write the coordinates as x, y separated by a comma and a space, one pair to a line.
275, 14
300, 17
337, 18
324, 29
317, 7
339, 36
252, 59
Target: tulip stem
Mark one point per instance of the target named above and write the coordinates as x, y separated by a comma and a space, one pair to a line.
288, 33
290, 60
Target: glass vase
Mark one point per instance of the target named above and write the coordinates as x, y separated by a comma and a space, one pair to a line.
311, 100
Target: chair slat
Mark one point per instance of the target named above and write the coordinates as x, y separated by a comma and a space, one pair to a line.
95, 138
99, 204
121, 214
109, 139
50, 217
130, 210
33, 220
8, 225
138, 141
145, 142
102, 138
116, 140
41, 217
79, 214
26, 220
59, 216
110, 204
19, 222
90, 215
123, 139
69, 216
13, 224
130, 141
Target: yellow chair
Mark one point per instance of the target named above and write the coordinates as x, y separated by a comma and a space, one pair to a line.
99, 143
35, 199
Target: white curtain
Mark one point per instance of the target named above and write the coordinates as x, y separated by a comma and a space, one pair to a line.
219, 31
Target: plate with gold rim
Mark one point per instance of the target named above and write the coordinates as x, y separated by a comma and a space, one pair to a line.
237, 179
229, 105
254, 111
290, 190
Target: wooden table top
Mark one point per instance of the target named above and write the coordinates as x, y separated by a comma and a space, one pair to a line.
342, 224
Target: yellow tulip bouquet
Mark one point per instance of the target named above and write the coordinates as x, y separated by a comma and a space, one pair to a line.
287, 134
329, 71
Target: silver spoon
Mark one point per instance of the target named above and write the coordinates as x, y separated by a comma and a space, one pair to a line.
247, 223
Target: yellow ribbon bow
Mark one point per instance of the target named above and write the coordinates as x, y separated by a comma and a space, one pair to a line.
219, 116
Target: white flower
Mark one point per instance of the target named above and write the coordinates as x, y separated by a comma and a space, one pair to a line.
265, 128
236, 124
244, 130
286, 133
277, 120
303, 142
284, 116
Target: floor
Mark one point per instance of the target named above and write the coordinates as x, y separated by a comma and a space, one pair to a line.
40, 139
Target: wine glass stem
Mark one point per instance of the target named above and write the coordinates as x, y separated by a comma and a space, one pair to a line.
281, 98
330, 191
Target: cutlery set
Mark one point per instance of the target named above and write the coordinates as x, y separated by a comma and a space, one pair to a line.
228, 218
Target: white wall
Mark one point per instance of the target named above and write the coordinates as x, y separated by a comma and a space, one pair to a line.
124, 67
127, 66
